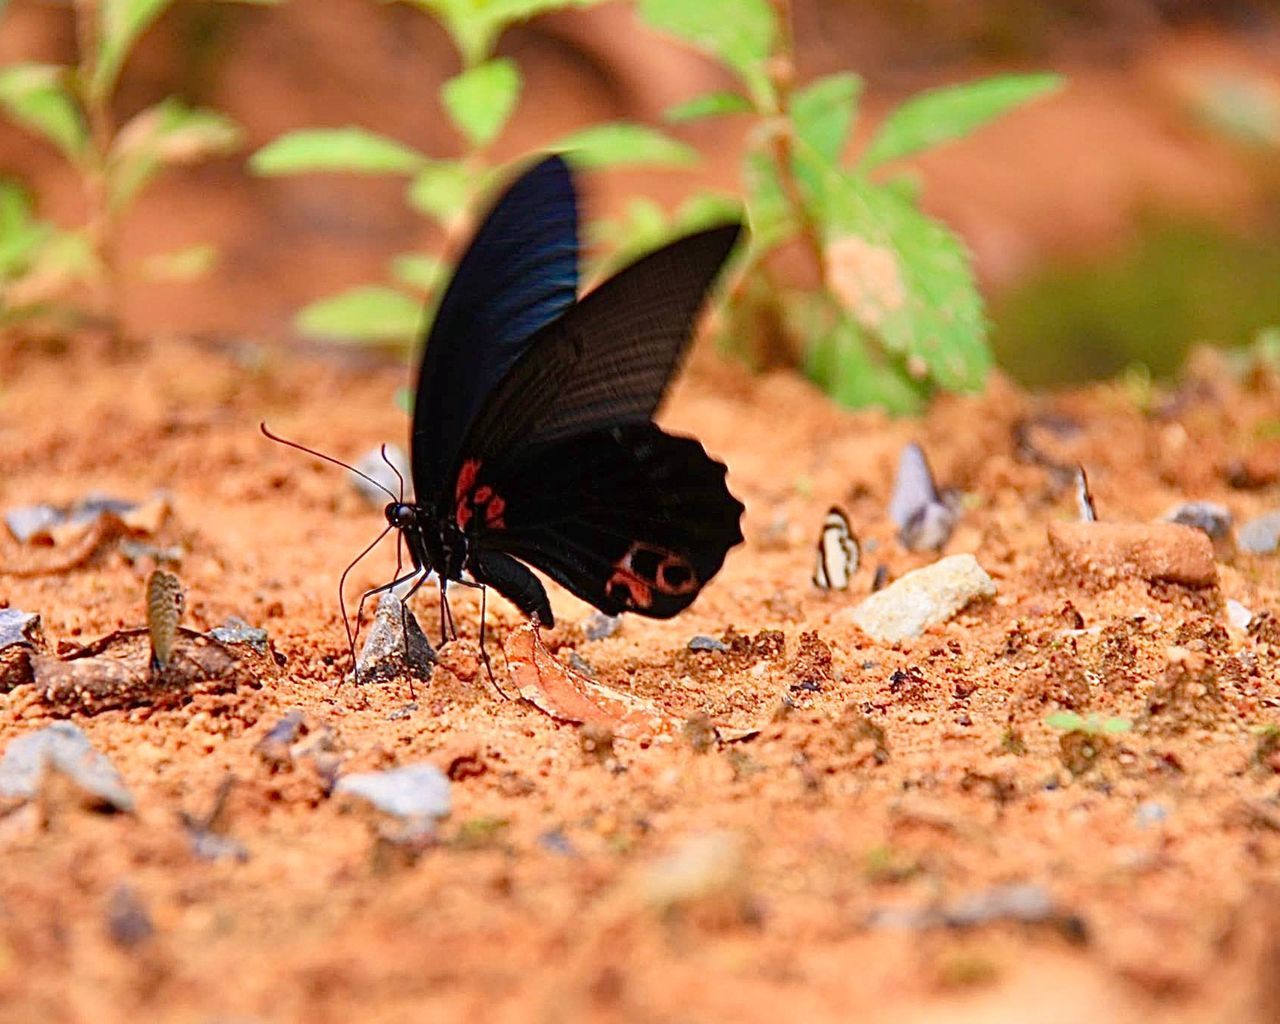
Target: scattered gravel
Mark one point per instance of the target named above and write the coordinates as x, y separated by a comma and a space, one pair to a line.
707, 643
416, 793
923, 598
19, 628
236, 631
598, 625
63, 748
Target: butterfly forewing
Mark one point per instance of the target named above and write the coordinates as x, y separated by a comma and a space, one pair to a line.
519, 274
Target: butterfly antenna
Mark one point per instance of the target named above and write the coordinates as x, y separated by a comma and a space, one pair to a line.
342, 601
327, 458
392, 466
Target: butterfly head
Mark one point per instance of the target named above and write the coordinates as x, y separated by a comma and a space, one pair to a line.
401, 515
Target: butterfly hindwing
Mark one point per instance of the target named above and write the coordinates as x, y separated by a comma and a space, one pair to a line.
519, 274
838, 553
628, 518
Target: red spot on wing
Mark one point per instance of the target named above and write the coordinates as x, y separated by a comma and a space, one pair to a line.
646, 568
472, 500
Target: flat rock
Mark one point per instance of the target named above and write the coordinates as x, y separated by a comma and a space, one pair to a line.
236, 631
418, 793
1102, 553
63, 748
1260, 536
923, 598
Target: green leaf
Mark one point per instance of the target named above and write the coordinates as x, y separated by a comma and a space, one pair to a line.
907, 280
474, 25
21, 235
123, 21
741, 33
709, 104
942, 115
348, 149
181, 264
36, 96
841, 363
168, 134
768, 211
369, 314
442, 190
481, 99
823, 113
1067, 721
609, 145
418, 270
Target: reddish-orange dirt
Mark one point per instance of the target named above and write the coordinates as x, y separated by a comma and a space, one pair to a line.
818, 871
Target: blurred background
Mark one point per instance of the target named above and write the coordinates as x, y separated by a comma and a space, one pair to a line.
1120, 220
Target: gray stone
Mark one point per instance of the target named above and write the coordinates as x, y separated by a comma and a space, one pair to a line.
372, 464
1238, 616
598, 625
1151, 812
27, 521
1207, 516
384, 649
19, 628
1260, 536
65, 749
923, 598
707, 643
418, 793
236, 631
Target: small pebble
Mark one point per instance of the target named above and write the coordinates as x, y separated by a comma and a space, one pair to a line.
1260, 536
404, 712
1151, 812
20, 628
64, 748
923, 598
707, 643
580, 664
598, 625
236, 631
418, 792
384, 649
128, 923
372, 464
1238, 615
1207, 516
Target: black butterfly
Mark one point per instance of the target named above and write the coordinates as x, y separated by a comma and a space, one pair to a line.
533, 435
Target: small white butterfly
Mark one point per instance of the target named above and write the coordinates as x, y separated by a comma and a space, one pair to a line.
925, 517
838, 553
1084, 497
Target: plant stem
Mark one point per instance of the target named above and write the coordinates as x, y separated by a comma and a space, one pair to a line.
100, 227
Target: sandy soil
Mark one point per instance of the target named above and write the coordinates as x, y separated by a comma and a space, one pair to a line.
786, 877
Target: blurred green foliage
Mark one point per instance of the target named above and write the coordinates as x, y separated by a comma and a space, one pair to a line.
41, 265
895, 314
1177, 284
479, 102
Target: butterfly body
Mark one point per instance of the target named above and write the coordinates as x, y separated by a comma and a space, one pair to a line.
533, 438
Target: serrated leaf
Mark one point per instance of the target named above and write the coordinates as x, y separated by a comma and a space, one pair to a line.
349, 149
185, 264
741, 33
418, 270
906, 279
21, 235
823, 114
481, 99
841, 363
123, 21
942, 115
617, 143
36, 96
442, 190
369, 314
168, 134
474, 25
709, 104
